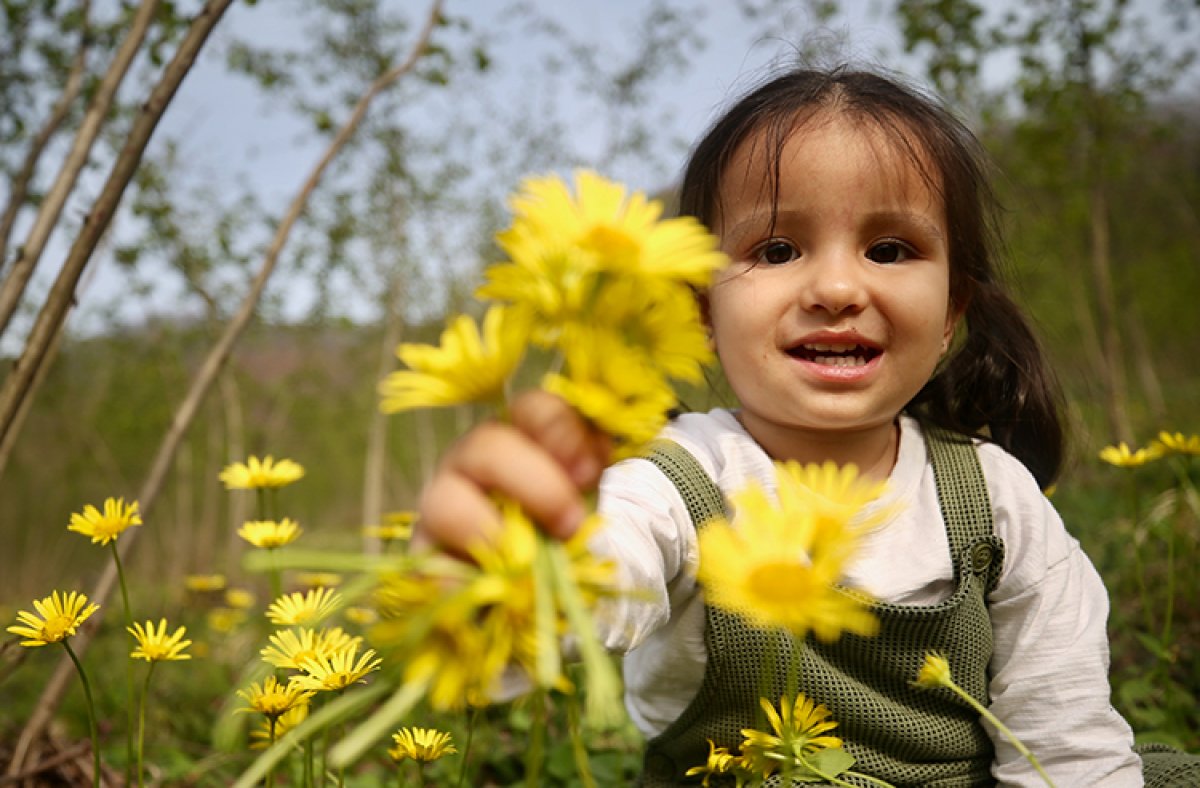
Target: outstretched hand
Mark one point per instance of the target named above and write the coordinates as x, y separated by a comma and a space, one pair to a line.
544, 459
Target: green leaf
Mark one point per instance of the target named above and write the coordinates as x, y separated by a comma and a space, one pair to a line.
832, 761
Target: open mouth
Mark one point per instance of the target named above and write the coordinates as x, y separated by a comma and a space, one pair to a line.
835, 355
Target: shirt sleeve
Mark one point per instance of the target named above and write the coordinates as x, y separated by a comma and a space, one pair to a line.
648, 533
1050, 665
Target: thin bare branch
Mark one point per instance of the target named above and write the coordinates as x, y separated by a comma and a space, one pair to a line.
51, 208
62, 294
56, 687
19, 187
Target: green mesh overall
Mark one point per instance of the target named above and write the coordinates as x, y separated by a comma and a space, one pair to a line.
896, 732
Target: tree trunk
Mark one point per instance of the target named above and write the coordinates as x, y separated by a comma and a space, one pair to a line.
55, 688
18, 385
377, 429
1116, 400
51, 208
19, 188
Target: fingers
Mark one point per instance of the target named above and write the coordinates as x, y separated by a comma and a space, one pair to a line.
581, 450
542, 460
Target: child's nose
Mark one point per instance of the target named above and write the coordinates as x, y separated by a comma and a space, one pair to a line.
834, 283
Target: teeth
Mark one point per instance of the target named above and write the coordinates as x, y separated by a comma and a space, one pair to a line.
841, 361
821, 347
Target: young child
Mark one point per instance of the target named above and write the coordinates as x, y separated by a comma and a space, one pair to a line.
860, 321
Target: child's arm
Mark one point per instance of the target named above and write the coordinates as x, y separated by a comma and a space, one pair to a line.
544, 458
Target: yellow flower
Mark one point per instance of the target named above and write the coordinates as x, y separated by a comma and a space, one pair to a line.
630, 404
362, 616
60, 618
204, 583
105, 528
296, 609
559, 243
435, 634
421, 744
658, 323
338, 670
466, 367
935, 671
260, 738
1176, 443
224, 619
319, 579
778, 566
504, 596
291, 647
239, 598
1122, 457
397, 527
255, 474
720, 761
800, 729
155, 645
270, 534
272, 698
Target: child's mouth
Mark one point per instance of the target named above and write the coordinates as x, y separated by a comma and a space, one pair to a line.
834, 354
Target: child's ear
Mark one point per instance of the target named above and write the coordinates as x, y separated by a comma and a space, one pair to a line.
953, 318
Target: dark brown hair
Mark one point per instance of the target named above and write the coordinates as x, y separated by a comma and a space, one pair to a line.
996, 383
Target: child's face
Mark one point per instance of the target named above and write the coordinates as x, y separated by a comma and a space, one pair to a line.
828, 322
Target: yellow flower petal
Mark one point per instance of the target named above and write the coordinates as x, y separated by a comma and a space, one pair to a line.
466, 367
106, 527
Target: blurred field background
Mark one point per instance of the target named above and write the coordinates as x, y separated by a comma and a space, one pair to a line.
1090, 109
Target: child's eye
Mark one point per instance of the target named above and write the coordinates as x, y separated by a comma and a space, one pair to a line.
777, 253
889, 252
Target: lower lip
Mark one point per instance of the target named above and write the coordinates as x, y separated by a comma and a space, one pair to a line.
834, 374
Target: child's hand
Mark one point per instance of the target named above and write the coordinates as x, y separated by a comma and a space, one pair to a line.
544, 460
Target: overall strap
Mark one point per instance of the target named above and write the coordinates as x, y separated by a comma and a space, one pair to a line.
965, 504
700, 493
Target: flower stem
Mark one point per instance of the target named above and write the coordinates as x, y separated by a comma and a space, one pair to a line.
602, 684
537, 739
129, 713
466, 755
141, 731
91, 708
578, 746
1000, 726
271, 731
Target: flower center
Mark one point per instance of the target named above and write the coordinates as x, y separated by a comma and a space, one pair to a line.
776, 580
56, 628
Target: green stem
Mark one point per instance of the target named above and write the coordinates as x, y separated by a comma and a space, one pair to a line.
275, 575
537, 739
1139, 562
129, 713
1000, 726
602, 684
308, 762
466, 755
91, 708
1169, 612
271, 734
141, 731
578, 747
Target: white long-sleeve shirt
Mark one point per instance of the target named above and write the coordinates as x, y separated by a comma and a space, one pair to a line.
1049, 670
